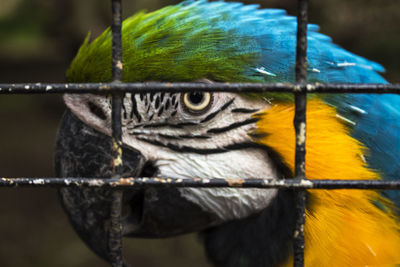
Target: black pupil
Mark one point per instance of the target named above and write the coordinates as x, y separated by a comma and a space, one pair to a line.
196, 97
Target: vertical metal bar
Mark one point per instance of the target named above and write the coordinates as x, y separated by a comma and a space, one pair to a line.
115, 234
300, 128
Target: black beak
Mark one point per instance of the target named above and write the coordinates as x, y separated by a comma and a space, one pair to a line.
147, 212
84, 152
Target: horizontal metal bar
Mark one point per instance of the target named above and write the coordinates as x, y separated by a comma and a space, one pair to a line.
82, 88
196, 182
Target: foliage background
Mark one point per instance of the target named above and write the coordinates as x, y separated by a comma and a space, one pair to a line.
38, 39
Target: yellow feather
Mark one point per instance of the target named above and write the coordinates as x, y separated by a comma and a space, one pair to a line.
343, 227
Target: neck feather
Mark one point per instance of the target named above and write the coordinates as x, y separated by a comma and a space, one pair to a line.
343, 227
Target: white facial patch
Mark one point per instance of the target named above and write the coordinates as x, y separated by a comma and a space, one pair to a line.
228, 203
213, 144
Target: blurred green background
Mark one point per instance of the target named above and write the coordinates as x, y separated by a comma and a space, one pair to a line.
38, 39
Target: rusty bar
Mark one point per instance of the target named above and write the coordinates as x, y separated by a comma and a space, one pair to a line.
115, 234
300, 129
141, 182
84, 88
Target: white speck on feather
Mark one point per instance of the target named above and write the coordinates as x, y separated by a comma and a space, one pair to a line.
357, 109
315, 70
264, 71
345, 119
371, 250
345, 64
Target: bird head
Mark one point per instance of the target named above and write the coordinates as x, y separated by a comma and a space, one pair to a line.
199, 135
192, 135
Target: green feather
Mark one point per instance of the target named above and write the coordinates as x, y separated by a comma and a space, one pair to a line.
166, 45
172, 44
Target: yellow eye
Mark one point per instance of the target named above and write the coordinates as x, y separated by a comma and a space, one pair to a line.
197, 102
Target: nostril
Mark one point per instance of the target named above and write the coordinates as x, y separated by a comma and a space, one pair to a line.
96, 110
149, 170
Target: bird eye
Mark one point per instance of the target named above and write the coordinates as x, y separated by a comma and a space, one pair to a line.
197, 102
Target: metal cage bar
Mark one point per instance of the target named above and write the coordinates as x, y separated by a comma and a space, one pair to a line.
115, 234
139, 182
148, 87
299, 124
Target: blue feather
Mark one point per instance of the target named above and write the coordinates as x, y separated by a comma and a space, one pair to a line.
268, 38
376, 117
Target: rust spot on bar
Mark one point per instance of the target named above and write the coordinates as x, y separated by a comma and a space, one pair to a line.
296, 234
96, 182
117, 161
310, 87
297, 88
235, 182
126, 181
119, 64
38, 181
8, 180
104, 87
301, 137
161, 180
306, 182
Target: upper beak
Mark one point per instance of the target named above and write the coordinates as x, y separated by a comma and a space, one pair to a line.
147, 212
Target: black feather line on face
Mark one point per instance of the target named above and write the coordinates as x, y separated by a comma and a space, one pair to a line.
160, 111
244, 110
134, 110
257, 136
157, 103
164, 124
183, 124
167, 104
212, 115
159, 125
202, 151
173, 100
176, 137
124, 112
232, 126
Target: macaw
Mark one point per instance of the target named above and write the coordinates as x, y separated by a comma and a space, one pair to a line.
233, 135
